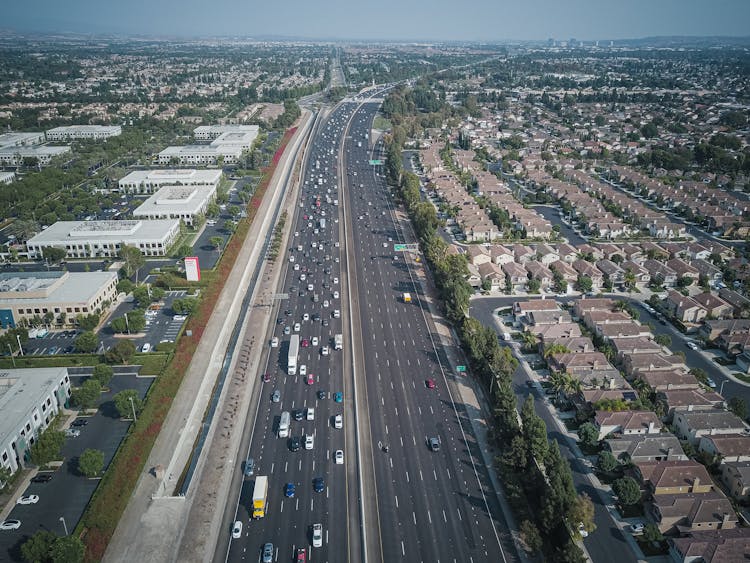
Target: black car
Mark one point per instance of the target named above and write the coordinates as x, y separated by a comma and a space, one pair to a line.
80, 422
321, 394
295, 444
42, 478
299, 415
319, 484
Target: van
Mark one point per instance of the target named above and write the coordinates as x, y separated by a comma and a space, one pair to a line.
284, 425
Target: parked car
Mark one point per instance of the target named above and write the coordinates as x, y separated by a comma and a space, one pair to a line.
10, 525
42, 478
80, 422
28, 499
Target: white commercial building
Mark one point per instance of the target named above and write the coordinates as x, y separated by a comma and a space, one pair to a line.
177, 202
14, 139
29, 401
14, 156
76, 132
7, 177
199, 155
30, 296
212, 132
149, 181
104, 239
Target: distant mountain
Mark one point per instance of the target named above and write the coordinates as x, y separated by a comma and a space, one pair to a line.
678, 41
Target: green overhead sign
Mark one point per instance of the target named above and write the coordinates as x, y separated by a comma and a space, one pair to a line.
399, 247
460, 369
376, 162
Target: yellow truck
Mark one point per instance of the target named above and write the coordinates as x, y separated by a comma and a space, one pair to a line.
407, 297
260, 497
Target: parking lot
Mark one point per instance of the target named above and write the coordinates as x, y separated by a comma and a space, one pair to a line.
68, 492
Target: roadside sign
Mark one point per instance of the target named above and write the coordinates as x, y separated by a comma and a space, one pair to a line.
376, 163
406, 248
460, 369
280, 296
399, 247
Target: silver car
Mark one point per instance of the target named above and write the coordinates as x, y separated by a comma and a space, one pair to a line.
267, 553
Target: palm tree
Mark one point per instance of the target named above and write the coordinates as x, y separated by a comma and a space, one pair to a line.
529, 341
556, 349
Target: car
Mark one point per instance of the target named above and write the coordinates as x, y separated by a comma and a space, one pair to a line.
310, 287
338, 457
299, 415
324, 350
10, 525
42, 478
317, 535
335, 294
276, 396
434, 444
146, 347
338, 421
692, 345
301, 555
310, 414
249, 467
267, 553
306, 317
28, 499
338, 397
319, 484
637, 528
321, 394
305, 343
303, 369
296, 267
237, 530
711, 383
289, 490
297, 327
287, 330
72, 432
430, 383
266, 378
324, 322
80, 422
309, 442
582, 531
311, 379
295, 444
302, 277
314, 341
275, 342
291, 258
326, 303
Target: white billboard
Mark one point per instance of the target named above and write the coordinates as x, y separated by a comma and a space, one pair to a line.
192, 268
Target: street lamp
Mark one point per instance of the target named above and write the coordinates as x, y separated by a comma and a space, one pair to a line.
12, 358
132, 406
721, 388
65, 527
20, 348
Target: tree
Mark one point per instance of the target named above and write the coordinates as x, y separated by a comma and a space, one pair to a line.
530, 536
67, 549
88, 322
505, 410
184, 306
47, 447
120, 353
87, 395
53, 255
123, 404
216, 242
584, 284
534, 431
627, 490
663, 340
582, 512
651, 533
607, 461
529, 341
125, 286
132, 259
738, 406
103, 374
86, 342
91, 462
588, 434
142, 295
533, 285
37, 548
130, 322
560, 284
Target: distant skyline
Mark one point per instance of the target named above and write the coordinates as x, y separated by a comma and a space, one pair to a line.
418, 20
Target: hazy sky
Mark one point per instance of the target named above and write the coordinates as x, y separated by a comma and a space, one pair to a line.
385, 19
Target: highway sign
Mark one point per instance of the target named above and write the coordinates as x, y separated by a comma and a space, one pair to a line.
460, 369
406, 248
376, 163
280, 296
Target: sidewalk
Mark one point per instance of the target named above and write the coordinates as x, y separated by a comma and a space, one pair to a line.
471, 395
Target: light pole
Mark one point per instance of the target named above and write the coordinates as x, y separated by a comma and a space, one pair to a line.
721, 388
12, 357
65, 527
132, 406
20, 348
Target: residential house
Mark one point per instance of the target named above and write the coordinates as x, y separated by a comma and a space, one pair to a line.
635, 363
736, 476
739, 303
546, 254
622, 330
715, 307
567, 253
473, 279
712, 329
727, 447
711, 546
477, 254
692, 400
627, 423
586, 304
638, 345
633, 448
596, 318
566, 271
665, 380
612, 272
516, 274
673, 477
706, 268
659, 271
523, 253
640, 274
682, 269
521, 309
490, 271
681, 513
589, 270
693, 425
539, 271
501, 254
684, 308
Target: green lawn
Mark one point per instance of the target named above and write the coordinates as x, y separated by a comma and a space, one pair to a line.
381, 123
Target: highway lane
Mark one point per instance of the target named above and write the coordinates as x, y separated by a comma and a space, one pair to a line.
431, 504
288, 520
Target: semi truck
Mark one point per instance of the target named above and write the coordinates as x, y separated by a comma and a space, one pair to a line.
338, 342
260, 497
291, 368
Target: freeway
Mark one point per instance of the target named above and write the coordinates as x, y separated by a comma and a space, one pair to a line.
434, 503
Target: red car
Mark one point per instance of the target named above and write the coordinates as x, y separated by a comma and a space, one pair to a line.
430, 383
310, 379
266, 377
301, 556
305, 342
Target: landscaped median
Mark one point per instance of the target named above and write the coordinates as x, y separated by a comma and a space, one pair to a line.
103, 513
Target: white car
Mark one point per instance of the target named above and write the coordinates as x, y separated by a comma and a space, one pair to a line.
582, 531
338, 421
306, 317
335, 294
303, 369
314, 341
314, 244
317, 535
302, 277
310, 287
297, 327
291, 258
324, 350
28, 499
309, 442
338, 456
336, 313
692, 345
326, 303
335, 280
10, 525
275, 342
237, 530
296, 267
310, 413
